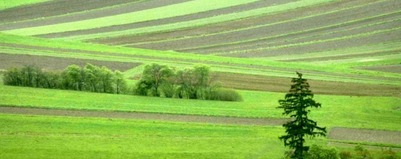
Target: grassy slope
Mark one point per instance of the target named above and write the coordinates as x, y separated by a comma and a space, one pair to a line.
66, 137
364, 110
140, 16
5, 4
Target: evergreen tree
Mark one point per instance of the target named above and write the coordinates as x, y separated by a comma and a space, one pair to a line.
296, 104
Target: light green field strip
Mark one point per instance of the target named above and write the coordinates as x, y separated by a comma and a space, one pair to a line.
204, 21
366, 112
5, 4
368, 61
140, 16
271, 24
36, 137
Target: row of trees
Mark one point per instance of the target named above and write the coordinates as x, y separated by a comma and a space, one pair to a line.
163, 81
88, 78
157, 80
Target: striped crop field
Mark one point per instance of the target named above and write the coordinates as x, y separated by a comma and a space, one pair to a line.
349, 50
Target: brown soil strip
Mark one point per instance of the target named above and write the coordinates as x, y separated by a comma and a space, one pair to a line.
365, 135
126, 8
387, 68
324, 46
238, 8
67, 51
340, 57
56, 63
307, 36
145, 116
54, 8
278, 29
232, 25
281, 84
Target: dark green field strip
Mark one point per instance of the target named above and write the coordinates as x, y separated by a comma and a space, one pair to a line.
279, 84
349, 28
239, 8
230, 25
280, 28
135, 6
145, 116
56, 63
366, 135
323, 45
341, 57
54, 8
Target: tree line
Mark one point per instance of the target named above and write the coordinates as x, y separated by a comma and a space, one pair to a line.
157, 80
194, 83
89, 78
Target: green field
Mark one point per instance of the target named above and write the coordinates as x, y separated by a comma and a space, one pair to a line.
348, 50
5, 4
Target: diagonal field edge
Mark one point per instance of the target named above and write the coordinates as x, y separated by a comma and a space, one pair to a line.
365, 135
145, 116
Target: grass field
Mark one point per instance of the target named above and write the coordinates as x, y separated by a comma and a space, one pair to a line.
348, 50
5, 4
61, 137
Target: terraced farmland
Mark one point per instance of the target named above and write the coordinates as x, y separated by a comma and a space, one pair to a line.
349, 50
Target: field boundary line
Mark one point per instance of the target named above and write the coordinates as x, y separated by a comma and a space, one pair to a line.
144, 116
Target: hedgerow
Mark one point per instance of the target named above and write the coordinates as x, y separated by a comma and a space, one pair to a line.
89, 78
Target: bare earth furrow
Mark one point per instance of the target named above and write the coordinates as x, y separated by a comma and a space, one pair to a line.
145, 116
341, 57
239, 8
282, 28
121, 9
276, 84
322, 46
386, 22
57, 63
54, 8
232, 25
365, 135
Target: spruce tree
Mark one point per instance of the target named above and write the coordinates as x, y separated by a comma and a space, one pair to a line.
297, 104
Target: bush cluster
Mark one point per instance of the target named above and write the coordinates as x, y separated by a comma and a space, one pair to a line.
88, 78
319, 152
163, 81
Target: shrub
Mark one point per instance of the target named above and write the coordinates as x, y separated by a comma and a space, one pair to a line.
388, 154
345, 155
362, 153
224, 95
318, 152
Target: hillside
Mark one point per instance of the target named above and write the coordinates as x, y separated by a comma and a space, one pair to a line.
350, 52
